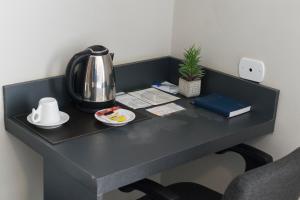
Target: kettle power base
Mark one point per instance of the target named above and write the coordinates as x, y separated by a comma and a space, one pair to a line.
90, 107
80, 124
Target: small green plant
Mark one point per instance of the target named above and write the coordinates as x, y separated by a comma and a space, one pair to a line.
190, 69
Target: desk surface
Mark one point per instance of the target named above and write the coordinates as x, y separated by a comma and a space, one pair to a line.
115, 157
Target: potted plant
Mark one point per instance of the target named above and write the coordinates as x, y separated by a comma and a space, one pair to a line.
191, 73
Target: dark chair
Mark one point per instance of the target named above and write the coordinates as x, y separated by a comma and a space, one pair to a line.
264, 180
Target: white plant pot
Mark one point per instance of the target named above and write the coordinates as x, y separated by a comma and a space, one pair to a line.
189, 88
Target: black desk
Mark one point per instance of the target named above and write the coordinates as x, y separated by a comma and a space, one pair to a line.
87, 167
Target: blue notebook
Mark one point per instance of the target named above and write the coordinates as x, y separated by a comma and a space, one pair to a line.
223, 105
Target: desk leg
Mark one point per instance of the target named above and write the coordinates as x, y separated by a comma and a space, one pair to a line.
60, 186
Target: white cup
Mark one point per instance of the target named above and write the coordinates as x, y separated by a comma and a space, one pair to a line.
47, 112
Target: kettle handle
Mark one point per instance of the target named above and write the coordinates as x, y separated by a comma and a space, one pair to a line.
76, 59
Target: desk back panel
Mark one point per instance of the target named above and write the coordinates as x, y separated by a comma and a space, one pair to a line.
21, 97
263, 99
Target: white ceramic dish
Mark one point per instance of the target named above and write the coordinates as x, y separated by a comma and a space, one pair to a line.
130, 116
64, 117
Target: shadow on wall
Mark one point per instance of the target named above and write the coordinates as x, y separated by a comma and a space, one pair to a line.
205, 171
59, 59
26, 166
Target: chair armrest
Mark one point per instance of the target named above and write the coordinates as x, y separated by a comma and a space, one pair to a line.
253, 157
151, 188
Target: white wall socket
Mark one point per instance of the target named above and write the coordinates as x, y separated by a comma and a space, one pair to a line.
251, 69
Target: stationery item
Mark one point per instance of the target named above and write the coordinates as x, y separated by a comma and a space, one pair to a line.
153, 96
165, 109
223, 105
115, 116
47, 115
131, 101
166, 87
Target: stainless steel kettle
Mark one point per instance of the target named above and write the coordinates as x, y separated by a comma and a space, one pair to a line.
90, 79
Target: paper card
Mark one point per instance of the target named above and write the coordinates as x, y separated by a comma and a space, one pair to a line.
131, 101
153, 96
167, 87
165, 109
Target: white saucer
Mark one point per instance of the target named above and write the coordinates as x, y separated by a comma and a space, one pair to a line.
129, 115
64, 117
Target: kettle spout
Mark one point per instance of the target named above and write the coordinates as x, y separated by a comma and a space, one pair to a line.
112, 55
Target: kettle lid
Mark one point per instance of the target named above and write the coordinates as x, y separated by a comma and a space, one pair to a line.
98, 50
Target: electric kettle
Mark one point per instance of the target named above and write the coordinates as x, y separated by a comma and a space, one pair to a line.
90, 79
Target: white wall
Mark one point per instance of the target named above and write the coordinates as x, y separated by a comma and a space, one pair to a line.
228, 30
37, 39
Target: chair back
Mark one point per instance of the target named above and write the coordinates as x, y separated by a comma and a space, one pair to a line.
279, 180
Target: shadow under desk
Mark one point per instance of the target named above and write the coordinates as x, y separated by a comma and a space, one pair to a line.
104, 159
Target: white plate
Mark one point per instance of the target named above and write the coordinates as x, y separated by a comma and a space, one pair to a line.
130, 116
64, 117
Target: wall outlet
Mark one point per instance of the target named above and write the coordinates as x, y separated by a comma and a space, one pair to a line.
253, 70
